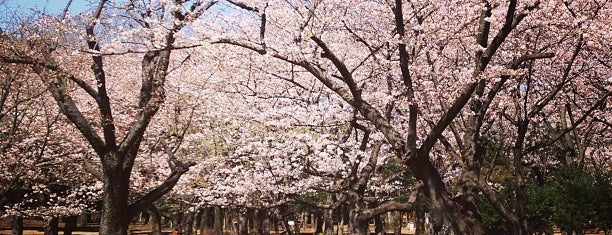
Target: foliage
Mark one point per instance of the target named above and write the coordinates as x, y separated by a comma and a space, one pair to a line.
582, 198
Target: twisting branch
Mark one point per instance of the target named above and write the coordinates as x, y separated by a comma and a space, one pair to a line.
347, 77
391, 206
161, 189
495, 201
103, 101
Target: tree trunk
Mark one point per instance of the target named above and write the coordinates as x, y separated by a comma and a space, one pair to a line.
17, 228
242, 223
218, 224
70, 223
51, 226
83, 220
397, 229
360, 227
461, 215
207, 220
419, 221
275, 224
177, 221
234, 222
115, 214
154, 220
329, 221
145, 217
258, 218
319, 224
379, 226
266, 222
188, 223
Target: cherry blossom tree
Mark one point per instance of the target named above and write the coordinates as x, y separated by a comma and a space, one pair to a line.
51, 50
433, 77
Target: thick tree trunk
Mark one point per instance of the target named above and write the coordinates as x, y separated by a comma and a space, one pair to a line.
17, 228
70, 223
115, 213
461, 215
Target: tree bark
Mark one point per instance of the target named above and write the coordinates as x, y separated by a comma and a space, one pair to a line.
154, 220
115, 219
207, 219
218, 223
17, 228
243, 228
329, 221
397, 228
83, 220
51, 226
188, 223
379, 226
259, 221
70, 223
461, 215
319, 224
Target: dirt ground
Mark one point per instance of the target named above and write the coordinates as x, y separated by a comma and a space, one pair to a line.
35, 227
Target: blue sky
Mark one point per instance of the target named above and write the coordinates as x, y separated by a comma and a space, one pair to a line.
48, 6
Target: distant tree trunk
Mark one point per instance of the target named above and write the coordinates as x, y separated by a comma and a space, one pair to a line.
266, 222
218, 224
340, 230
188, 223
154, 220
243, 228
319, 224
288, 230
397, 229
145, 217
70, 223
258, 217
419, 221
17, 228
207, 221
177, 219
51, 226
234, 222
360, 228
83, 220
275, 224
379, 226
329, 221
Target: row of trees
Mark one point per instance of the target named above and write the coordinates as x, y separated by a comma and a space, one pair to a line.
486, 109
